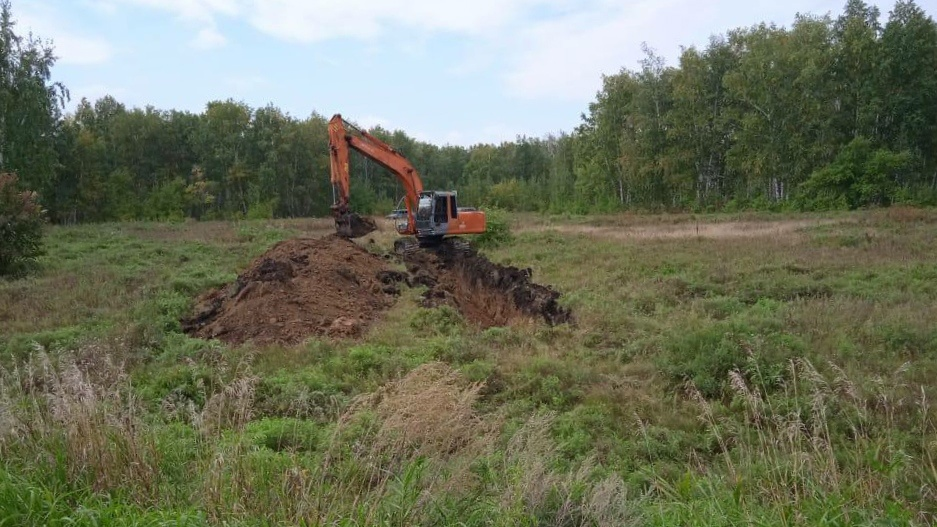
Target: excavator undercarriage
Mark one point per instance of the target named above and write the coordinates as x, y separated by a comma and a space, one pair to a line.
452, 246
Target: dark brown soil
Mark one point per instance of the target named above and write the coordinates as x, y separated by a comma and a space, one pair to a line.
331, 286
352, 225
299, 288
487, 294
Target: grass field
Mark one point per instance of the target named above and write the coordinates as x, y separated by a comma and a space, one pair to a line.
722, 370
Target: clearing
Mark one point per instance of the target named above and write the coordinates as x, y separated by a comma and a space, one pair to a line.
770, 370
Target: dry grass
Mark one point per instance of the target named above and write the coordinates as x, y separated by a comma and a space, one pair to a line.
482, 306
45, 303
232, 407
53, 405
430, 411
787, 457
574, 497
689, 230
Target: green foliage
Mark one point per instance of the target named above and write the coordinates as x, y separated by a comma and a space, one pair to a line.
497, 229
860, 176
261, 210
29, 503
166, 202
305, 394
21, 223
441, 321
507, 195
284, 434
706, 356
30, 106
364, 199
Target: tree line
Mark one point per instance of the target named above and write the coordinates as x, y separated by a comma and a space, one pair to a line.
829, 113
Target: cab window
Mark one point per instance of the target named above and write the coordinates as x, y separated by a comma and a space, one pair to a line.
441, 214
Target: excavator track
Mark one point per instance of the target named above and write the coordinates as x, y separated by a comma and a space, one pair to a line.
456, 247
450, 247
406, 246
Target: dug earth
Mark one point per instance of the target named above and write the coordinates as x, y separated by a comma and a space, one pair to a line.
333, 287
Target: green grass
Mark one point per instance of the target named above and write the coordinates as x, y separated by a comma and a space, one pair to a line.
711, 377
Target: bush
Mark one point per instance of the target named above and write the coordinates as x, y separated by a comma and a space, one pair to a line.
21, 220
706, 356
263, 210
497, 229
860, 176
281, 434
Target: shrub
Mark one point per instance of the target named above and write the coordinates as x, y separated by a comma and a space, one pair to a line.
263, 210
284, 434
21, 220
497, 229
860, 176
706, 356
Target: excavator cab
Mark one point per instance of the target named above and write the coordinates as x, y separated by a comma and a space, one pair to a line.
438, 214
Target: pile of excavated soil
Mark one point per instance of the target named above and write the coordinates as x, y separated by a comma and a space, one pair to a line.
333, 287
487, 294
299, 288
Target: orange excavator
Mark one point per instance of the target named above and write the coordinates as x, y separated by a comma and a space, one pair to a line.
431, 214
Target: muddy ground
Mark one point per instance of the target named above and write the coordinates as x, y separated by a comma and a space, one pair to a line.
334, 287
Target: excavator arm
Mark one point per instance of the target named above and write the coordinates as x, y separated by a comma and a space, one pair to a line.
341, 142
431, 215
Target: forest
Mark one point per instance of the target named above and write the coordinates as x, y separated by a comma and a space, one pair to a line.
833, 112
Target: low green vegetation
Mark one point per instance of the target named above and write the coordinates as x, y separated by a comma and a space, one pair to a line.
769, 370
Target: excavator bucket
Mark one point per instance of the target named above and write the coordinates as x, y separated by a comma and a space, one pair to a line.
351, 225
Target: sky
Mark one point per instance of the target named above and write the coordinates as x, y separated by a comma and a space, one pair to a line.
445, 72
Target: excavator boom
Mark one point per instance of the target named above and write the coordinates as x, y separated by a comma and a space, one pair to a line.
349, 224
430, 215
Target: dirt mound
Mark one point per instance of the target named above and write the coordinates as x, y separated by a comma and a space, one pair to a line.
331, 286
486, 293
299, 288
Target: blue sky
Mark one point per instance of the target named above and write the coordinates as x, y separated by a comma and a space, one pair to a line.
445, 72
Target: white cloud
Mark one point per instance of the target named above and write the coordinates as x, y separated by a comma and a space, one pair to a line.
209, 38
198, 13
488, 134
316, 20
71, 46
203, 11
549, 49
81, 50
564, 57
105, 7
